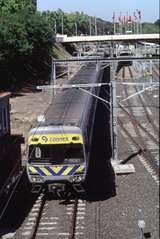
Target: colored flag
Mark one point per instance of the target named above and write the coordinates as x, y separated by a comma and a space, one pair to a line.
130, 19
135, 16
120, 17
140, 16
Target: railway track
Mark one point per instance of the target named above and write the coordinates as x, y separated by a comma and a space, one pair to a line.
147, 111
9, 188
142, 149
135, 122
53, 219
145, 143
132, 114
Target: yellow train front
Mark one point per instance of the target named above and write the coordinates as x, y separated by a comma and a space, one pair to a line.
59, 148
56, 157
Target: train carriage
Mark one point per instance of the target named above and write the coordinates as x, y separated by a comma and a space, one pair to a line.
59, 148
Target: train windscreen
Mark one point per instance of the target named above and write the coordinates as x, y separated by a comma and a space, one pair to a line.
56, 154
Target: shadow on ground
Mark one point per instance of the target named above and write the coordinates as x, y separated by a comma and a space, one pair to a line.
100, 183
19, 208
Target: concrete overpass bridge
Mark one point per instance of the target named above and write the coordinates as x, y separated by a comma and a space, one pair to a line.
131, 38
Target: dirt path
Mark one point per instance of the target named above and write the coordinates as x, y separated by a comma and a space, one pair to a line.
25, 107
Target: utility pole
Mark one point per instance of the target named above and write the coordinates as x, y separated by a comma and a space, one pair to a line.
114, 28
114, 23
137, 27
55, 27
62, 25
90, 27
120, 23
76, 29
103, 28
95, 26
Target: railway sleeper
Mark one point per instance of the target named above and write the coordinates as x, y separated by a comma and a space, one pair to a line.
78, 188
36, 188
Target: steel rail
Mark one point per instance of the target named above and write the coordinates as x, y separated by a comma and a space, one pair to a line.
141, 147
73, 220
9, 178
134, 121
72, 228
145, 108
38, 217
5, 206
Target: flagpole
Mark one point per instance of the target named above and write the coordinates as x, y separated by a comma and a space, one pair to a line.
114, 24
95, 26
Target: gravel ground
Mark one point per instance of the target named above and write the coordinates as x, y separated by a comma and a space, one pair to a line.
117, 217
27, 105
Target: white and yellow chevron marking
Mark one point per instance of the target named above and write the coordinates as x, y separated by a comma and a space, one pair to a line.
80, 169
33, 170
67, 170
56, 169
45, 171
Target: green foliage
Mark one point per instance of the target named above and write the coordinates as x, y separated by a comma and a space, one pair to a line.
25, 44
12, 6
150, 27
83, 21
26, 38
78, 20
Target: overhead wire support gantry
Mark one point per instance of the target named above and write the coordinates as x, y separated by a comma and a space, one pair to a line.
100, 64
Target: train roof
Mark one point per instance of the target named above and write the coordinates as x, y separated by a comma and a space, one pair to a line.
55, 130
69, 106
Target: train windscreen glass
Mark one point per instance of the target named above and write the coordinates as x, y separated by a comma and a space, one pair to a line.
56, 154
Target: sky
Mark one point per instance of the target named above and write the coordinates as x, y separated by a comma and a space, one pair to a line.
105, 8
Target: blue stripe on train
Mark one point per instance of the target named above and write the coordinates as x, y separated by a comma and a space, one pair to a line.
73, 170
40, 171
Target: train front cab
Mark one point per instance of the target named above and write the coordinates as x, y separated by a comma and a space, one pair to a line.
56, 159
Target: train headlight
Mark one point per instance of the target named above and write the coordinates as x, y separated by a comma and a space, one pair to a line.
80, 178
76, 178
72, 179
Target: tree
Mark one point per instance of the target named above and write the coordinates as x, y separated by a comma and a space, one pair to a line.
148, 27
25, 44
12, 6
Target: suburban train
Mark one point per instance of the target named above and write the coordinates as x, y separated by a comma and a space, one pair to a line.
59, 147
125, 55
